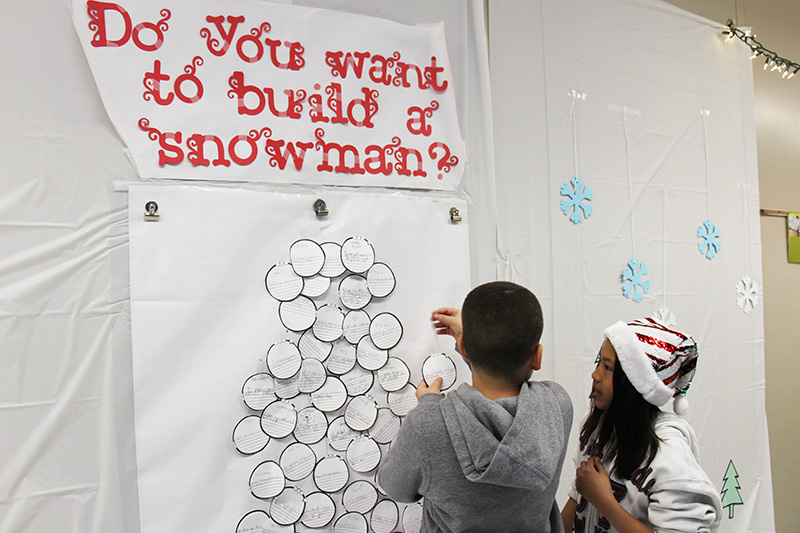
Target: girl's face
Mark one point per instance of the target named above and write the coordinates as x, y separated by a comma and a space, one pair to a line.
603, 377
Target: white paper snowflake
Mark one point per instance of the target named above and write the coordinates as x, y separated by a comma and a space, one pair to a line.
578, 194
710, 243
665, 316
747, 294
636, 287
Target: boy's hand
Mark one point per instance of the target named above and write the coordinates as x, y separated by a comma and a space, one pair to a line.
434, 388
447, 321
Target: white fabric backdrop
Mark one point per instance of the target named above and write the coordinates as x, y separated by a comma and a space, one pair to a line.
691, 156
66, 400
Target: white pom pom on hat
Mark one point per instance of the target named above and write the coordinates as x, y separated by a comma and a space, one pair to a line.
658, 361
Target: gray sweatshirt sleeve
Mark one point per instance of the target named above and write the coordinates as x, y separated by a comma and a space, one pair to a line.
401, 473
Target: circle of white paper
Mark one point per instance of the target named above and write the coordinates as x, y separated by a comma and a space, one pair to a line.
297, 461
385, 331
378, 485
439, 365
278, 419
358, 381
331, 396
394, 375
312, 425
248, 437
340, 435
257, 521
401, 402
333, 267
353, 292
331, 474
286, 389
315, 286
412, 518
298, 314
384, 517
357, 254
283, 359
356, 325
361, 413
319, 511
359, 497
369, 356
258, 391
306, 257
267, 480
386, 426
380, 280
350, 523
342, 358
287, 507
313, 348
329, 323
282, 282
363, 454
312, 376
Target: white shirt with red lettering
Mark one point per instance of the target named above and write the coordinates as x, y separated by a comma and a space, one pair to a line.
672, 494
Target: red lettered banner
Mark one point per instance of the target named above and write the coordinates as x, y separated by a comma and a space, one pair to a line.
241, 91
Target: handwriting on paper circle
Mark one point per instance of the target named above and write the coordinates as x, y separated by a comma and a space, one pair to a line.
248, 437
356, 325
361, 413
354, 292
385, 330
312, 347
358, 381
394, 375
360, 497
332, 267
369, 356
287, 507
315, 286
258, 391
363, 454
319, 512
358, 255
283, 359
267, 480
412, 518
331, 396
402, 401
439, 365
298, 314
297, 461
331, 474
386, 426
312, 376
380, 280
340, 435
278, 419
307, 257
329, 324
384, 517
350, 523
283, 283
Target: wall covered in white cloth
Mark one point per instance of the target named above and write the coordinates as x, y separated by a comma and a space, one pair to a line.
653, 112
641, 101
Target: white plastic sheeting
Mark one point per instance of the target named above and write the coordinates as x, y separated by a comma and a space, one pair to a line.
66, 399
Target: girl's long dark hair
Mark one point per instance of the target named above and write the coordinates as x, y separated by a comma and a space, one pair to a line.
626, 430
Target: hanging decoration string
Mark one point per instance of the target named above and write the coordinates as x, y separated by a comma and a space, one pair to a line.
786, 68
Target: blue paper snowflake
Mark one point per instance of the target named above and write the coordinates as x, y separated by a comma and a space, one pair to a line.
636, 287
578, 194
710, 243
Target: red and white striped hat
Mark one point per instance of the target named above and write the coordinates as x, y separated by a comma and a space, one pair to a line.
659, 361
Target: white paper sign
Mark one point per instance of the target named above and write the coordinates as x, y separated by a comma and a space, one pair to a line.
252, 91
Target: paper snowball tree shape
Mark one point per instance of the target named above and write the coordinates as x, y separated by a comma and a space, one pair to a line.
578, 195
710, 243
730, 490
747, 294
634, 286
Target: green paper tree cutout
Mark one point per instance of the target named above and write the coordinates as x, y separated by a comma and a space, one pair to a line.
730, 489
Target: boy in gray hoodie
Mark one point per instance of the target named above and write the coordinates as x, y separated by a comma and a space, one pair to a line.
486, 457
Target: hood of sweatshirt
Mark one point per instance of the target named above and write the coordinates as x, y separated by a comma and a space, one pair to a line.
514, 442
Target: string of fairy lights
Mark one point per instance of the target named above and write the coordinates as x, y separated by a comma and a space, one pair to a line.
787, 69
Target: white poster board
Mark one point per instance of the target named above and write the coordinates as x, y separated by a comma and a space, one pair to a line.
204, 321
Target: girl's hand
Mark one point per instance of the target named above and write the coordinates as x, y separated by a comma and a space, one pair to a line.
592, 482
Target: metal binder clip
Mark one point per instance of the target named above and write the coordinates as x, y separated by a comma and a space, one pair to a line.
151, 211
454, 215
320, 208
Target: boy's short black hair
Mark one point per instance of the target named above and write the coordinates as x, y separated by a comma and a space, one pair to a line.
502, 324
